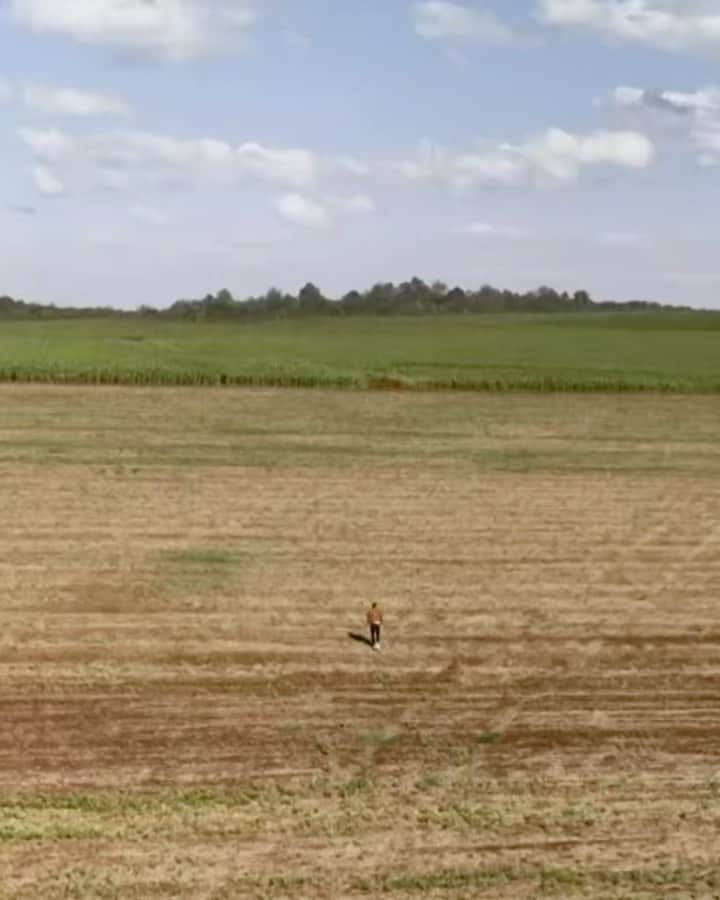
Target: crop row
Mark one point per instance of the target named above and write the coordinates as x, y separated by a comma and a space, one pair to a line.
497, 382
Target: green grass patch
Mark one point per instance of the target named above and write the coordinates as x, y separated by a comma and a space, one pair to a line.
114, 803
490, 737
652, 351
201, 571
203, 557
21, 831
381, 737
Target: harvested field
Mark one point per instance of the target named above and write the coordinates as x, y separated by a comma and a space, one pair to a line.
185, 714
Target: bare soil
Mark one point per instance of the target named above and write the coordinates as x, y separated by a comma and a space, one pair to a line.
185, 712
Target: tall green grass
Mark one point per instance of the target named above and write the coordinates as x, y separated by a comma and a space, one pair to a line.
587, 352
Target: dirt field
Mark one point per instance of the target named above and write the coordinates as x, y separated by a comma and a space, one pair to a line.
184, 713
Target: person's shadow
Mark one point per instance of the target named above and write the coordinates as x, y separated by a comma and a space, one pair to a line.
360, 638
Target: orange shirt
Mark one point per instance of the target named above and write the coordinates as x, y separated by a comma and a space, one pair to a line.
375, 616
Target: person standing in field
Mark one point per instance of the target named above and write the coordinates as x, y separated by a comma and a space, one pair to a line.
375, 620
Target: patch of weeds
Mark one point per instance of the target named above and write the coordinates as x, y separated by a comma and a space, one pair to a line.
288, 882
198, 799
468, 880
713, 785
200, 570
575, 817
663, 876
637, 882
111, 804
81, 884
327, 748
274, 886
362, 783
383, 737
100, 803
490, 737
429, 781
478, 817
20, 830
459, 816
203, 556
558, 880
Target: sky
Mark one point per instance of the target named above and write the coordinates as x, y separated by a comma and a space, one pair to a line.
154, 150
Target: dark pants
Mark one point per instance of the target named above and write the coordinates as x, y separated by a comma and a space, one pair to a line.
375, 634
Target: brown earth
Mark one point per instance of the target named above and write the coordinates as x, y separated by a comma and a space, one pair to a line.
185, 714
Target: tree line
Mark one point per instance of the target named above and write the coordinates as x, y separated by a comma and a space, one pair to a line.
410, 298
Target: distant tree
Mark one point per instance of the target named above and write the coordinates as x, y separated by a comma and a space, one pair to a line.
380, 298
581, 300
455, 300
544, 299
310, 299
274, 302
413, 297
352, 302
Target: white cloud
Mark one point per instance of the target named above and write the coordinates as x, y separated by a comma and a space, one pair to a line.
695, 113
149, 215
559, 154
130, 148
46, 182
496, 168
626, 97
703, 102
441, 20
51, 100
118, 159
293, 165
673, 25
300, 210
553, 157
351, 166
59, 101
499, 232
49, 144
176, 30
126, 159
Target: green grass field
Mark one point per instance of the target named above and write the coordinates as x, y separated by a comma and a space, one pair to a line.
647, 351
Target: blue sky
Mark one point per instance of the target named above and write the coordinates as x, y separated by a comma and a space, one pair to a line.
158, 149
